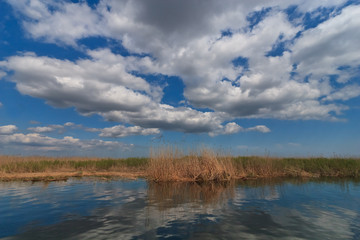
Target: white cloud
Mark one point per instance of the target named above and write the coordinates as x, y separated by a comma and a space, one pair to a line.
232, 128
47, 129
345, 93
184, 39
89, 85
122, 131
265, 90
102, 86
1, 104
71, 21
37, 141
7, 129
40, 129
56, 127
332, 44
134, 22
113, 132
69, 124
166, 117
259, 128
92, 129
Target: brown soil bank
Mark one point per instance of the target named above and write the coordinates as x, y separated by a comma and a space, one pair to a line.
169, 165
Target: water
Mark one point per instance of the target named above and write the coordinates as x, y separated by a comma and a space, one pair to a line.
117, 209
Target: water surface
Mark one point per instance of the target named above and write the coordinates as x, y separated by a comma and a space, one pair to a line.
118, 209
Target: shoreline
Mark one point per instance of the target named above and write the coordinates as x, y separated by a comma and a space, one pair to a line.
170, 166
62, 176
110, 175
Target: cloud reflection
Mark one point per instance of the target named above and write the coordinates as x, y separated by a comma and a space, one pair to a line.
140, 210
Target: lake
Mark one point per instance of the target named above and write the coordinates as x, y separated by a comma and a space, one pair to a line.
92, 208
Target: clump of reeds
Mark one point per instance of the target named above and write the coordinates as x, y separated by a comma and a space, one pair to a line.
168, 164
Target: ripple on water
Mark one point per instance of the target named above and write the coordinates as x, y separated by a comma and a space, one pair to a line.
94, 209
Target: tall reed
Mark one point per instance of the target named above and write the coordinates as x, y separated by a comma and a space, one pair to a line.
168, 164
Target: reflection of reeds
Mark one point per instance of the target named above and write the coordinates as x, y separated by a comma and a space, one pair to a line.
172, 194
171, 165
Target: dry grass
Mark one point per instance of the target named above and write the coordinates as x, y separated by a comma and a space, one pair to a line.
54, 168
171, 165
296, 167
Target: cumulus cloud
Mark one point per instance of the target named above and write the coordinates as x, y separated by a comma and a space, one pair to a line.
259, 128
40, 129
232, 128
232, 75
87, 129
71, 21
89, 85
37, 142
133, 22
113, 132
122, 131
69, 124
7, 129
53, 127
345, 93
56, 127
321, 51
103, 91
41, 142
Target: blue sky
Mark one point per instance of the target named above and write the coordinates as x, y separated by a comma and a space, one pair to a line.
115, 78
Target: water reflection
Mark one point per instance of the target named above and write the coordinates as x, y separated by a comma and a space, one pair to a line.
169, 195
261, 209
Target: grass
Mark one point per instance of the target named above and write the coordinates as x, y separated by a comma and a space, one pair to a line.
14, 164
172, 165
169, 164
295, 167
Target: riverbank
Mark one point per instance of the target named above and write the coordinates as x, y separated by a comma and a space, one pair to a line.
170, 165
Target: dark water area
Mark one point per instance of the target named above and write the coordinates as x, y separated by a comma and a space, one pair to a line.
118, 209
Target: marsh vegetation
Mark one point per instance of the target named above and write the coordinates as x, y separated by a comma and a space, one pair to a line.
173, 165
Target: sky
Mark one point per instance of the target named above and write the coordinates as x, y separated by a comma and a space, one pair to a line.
115, 78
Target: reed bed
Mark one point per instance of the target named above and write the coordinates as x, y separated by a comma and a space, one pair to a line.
170, 164
36, 164
296, 167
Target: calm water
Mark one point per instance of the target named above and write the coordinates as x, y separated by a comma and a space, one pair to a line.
95, 209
